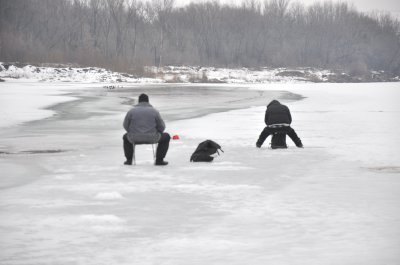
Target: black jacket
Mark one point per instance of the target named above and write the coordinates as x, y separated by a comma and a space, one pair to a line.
277, 113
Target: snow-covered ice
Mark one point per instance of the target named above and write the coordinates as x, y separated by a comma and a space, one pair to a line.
20, 103
69, 200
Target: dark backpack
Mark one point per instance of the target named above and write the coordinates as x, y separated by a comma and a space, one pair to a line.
204, 151
278, 140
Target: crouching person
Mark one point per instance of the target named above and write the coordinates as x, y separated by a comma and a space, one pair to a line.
278, 118
144, 125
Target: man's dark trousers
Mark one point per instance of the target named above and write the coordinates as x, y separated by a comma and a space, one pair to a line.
162, 149
287, 129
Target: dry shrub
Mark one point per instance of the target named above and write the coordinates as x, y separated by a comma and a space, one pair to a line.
358, 68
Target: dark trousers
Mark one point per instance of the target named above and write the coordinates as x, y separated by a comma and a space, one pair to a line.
287, 129
162, 149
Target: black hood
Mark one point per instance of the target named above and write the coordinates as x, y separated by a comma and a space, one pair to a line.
273, 102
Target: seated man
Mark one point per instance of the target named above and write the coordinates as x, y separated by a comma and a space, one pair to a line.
278, 118
144, 124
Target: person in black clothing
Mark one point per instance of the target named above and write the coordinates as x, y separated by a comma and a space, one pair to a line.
278, 119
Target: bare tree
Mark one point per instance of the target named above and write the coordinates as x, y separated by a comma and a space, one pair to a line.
125, 33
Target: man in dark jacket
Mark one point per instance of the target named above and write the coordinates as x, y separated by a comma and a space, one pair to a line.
278, 118
144, 124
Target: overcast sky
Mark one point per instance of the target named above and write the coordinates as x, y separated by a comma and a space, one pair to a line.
362, 5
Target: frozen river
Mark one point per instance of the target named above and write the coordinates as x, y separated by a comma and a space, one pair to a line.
66, 198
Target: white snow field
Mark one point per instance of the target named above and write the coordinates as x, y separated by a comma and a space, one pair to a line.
66, 198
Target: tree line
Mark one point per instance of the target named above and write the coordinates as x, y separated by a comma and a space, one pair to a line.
129, 34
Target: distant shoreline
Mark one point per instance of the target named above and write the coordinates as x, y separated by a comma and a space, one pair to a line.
188, 75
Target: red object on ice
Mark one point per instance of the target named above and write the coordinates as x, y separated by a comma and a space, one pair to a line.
175, 137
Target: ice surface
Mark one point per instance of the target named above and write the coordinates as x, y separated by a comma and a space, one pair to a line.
333, 202
113, 195
22, 103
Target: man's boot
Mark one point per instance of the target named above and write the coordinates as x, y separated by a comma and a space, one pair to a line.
299, 144
161, 162
128, 162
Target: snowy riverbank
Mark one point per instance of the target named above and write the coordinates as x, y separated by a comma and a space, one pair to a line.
185, 74
333, 202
